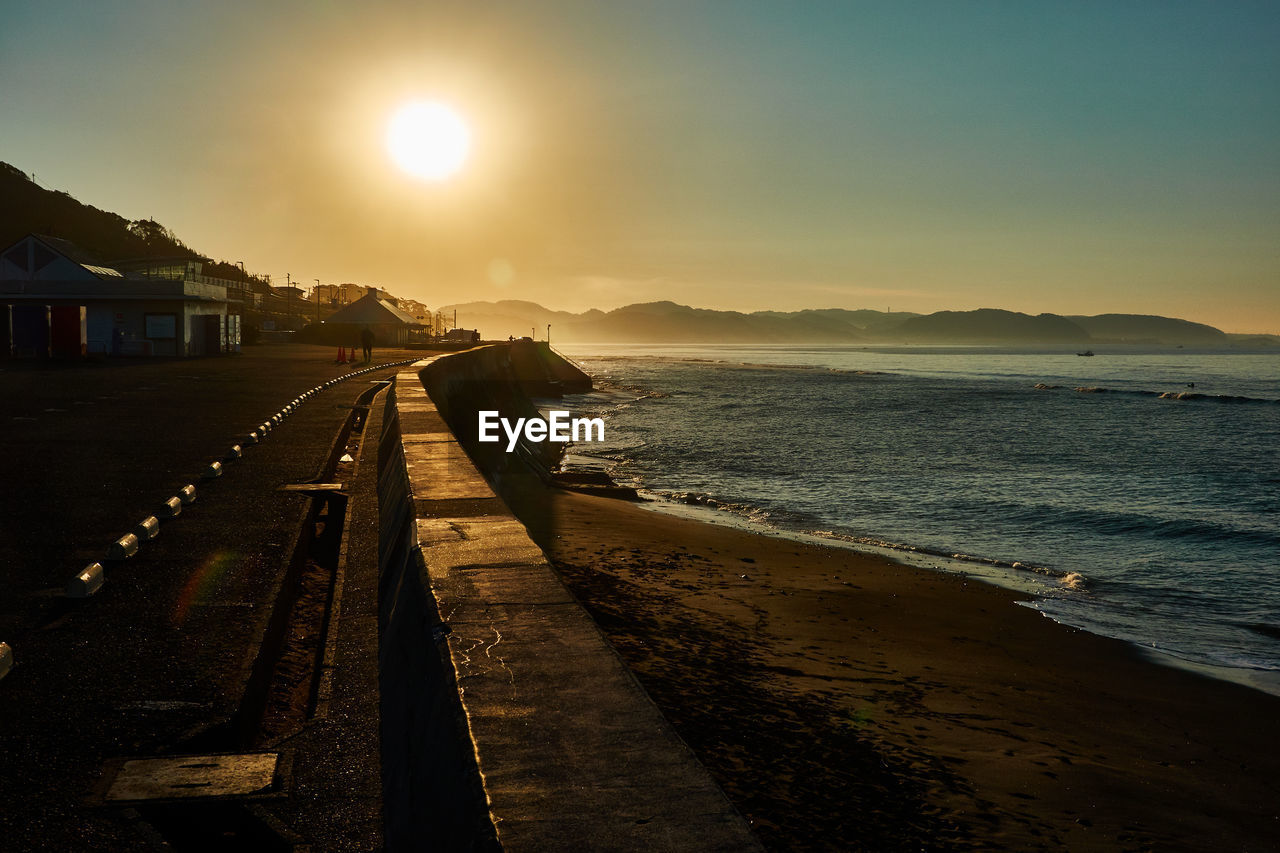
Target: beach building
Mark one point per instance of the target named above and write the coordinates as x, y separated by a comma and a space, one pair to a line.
56, 300
466, 336
389, 324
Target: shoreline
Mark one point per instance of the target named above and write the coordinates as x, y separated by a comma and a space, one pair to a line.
845, 699
1030, 581
1065, 595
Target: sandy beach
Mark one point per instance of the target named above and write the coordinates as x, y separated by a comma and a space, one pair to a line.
847, 702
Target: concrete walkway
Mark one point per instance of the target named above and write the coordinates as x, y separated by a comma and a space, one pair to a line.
162, 653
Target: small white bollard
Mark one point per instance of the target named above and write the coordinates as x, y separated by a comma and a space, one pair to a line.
187, 494
148, 528
123, 548
6, 659
87, 582
251, 438
233, 452
214, 471
172, 508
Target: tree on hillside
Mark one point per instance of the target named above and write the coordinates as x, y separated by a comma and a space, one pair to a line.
157, 237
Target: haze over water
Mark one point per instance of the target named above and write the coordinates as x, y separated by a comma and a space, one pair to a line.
1147, 518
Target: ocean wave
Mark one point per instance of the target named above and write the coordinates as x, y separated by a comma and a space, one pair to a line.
604, 384
1264, 628
1208, 531
758, 365
1129, 524
749, 511
751, 365
1069, 580
1064, 579
808, 368
1073, 580
1216, 398
1163, 395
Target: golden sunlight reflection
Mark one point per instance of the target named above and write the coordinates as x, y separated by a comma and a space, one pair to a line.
428, 140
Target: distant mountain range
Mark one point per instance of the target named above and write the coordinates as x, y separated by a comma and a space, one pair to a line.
668, 322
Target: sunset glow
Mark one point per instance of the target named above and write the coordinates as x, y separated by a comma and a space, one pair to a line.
1068, 158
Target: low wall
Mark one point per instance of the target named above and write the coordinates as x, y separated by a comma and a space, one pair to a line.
500, 695
494, 378
433, 797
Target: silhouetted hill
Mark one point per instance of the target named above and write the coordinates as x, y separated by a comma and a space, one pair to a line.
1254, 342
862, 319
670, 322
661, 322
990, 325
515, 317
667, 322
100, 235
29, 208
1145, 329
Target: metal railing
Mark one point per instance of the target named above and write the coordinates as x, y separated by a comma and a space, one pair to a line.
568, 359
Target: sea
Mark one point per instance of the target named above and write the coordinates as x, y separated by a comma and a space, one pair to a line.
1134, 493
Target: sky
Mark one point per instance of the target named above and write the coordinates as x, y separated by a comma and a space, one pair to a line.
1073, 158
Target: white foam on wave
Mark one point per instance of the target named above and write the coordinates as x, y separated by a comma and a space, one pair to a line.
1072, 580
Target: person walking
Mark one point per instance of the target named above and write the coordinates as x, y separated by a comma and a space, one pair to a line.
366, 341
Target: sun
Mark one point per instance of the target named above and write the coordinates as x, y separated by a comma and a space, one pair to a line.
428, 140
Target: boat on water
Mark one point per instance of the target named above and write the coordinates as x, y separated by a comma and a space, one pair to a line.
1086, 352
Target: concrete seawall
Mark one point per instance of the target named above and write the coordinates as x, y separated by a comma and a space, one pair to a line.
433, 797
507, 720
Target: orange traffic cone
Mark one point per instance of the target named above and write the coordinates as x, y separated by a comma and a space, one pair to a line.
342, 356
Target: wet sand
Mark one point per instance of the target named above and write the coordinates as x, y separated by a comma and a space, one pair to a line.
846, 702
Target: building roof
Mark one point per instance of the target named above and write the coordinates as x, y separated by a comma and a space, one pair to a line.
369, 310
71, 251
26, 258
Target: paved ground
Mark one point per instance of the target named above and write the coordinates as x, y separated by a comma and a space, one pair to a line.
162, 651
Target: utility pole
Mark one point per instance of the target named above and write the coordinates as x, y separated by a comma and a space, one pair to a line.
317, 302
